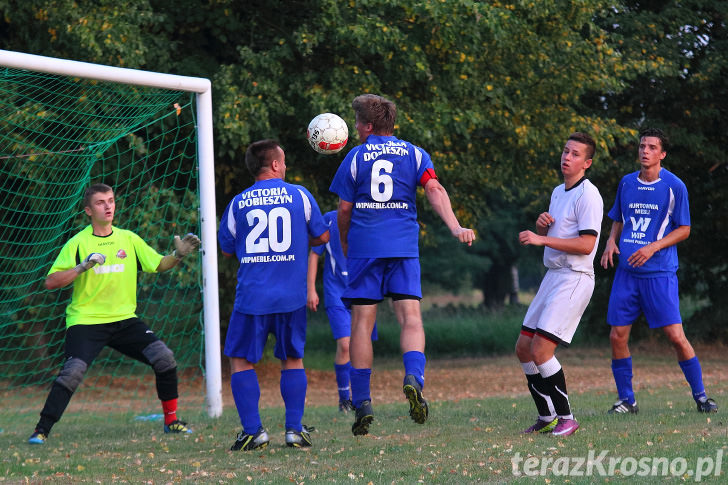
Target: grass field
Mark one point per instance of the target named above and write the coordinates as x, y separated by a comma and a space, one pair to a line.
466, 440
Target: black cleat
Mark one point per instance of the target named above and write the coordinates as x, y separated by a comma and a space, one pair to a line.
707, 406
299, 439
623, 407
346, 406
418, 405
364, 417
247, 442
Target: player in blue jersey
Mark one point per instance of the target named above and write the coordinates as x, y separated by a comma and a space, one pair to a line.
569, 232
651, 215
335, 278
377, 218
269, 227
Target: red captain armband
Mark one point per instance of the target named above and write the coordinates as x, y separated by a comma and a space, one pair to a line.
427, 176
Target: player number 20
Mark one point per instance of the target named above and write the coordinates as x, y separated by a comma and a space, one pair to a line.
279, 235
382, 186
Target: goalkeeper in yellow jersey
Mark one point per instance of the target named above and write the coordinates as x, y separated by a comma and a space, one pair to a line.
102, 262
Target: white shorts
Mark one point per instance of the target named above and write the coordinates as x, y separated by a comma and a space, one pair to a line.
559, 304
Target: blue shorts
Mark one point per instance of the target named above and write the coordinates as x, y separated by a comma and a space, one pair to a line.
656, 297
340, 322
247, 335
373, 279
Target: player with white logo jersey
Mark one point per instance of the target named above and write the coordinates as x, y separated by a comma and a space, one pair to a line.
102, 262
649, 211
651, 215
269, 227
570, 233
377, 218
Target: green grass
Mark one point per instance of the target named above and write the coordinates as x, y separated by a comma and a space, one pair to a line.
465, 441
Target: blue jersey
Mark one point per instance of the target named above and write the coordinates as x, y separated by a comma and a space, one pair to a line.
267, 227
380, 178
649, 212
335, 276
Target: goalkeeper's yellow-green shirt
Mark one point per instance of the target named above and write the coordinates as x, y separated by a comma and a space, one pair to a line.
107, 292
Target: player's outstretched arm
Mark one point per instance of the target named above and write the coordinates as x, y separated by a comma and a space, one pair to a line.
440, 201
612, 247
312, 300
182, 247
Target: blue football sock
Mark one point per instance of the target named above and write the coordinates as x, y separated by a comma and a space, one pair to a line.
246, 393
293, 391
414, 364
360, 385
342, 380
622, 371
694, 375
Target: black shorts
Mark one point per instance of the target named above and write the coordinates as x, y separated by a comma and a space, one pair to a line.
129, 337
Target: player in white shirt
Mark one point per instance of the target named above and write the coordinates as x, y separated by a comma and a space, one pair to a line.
570, 233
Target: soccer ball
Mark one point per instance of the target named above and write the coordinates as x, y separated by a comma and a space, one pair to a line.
327, 133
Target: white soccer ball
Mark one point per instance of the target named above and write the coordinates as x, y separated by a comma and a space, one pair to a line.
327, 133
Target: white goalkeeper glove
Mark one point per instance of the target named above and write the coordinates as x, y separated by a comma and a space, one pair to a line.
91, 260
184, 246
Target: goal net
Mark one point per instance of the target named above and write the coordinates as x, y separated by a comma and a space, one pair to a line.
58, 135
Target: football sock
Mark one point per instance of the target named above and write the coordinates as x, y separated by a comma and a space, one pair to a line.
293, 391
58, 399
622, 372
694, 375
343, 381
246, 393
170, 411
360, 386
536, 386
414, 364
555, 384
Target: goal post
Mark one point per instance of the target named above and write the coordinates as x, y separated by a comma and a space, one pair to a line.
201, 88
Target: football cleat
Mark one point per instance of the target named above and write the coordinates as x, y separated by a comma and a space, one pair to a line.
623, 407
541, 426
346, 406
363, 418
177, 426
37, 438
707, 406
565, 427
299, 439
247, 442
418, 406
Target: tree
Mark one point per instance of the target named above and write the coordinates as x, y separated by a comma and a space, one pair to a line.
491, 90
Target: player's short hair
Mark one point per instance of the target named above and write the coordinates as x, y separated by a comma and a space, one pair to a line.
377, 110
94, 189
586, 139
259, 155
657, 133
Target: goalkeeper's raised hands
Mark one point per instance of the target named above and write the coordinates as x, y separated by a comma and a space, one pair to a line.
89, 262
182, 247
185, 245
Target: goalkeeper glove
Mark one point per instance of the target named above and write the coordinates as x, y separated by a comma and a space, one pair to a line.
91, 260
184, 246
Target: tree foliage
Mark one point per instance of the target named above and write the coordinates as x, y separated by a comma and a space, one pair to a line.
490, 89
